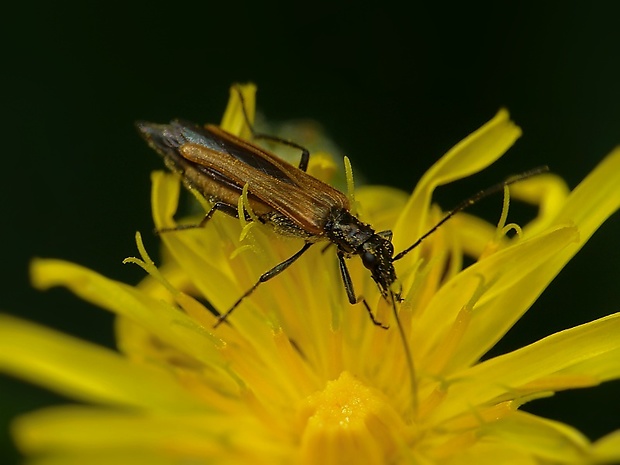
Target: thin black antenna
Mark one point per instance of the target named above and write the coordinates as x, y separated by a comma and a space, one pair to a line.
471, 201
408, 355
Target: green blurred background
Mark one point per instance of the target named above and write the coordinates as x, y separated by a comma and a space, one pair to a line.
394, 88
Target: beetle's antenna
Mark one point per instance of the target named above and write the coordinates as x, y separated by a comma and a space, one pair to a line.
408, 355
471, 201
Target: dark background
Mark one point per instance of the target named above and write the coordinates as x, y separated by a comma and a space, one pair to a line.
394, 88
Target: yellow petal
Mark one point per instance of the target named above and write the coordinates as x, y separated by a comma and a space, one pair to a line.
97, 457
595, 198
474, 233
186, 436
543, 439
160, 318
504, 274
588, 206
380, 205
591, 350
607, 449
472, 154
493, 452
85, 371
204, 253
234, 120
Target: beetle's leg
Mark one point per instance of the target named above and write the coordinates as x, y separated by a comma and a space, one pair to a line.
326, 248
276, 270
305, 154
221, 206
348, 285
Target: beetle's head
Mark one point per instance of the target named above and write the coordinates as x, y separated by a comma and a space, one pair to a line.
376, 254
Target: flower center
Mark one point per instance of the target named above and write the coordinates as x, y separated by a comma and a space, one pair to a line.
349, 422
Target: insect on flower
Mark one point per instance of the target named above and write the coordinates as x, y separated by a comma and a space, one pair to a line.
219, 165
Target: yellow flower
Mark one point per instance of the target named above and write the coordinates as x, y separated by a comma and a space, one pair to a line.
300, 376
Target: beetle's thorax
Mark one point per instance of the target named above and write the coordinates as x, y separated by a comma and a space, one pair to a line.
346, 231
353, 237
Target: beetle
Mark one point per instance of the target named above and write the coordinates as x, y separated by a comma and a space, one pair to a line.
219, 164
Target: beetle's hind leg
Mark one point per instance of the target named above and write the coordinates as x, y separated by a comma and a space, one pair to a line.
217, 206
305, 153
275, 271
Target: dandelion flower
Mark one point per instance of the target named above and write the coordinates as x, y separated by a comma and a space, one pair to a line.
297, 375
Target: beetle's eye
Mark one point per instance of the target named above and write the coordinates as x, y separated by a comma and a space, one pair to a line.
369, 260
